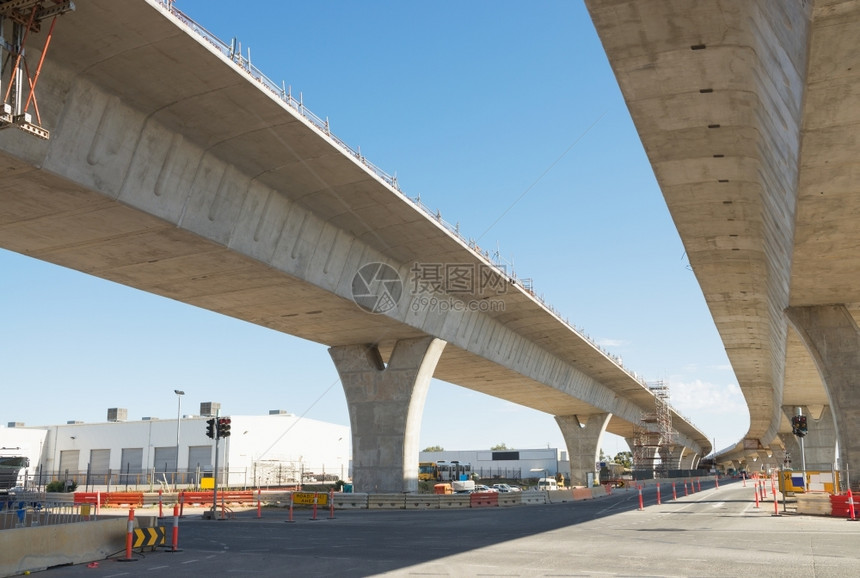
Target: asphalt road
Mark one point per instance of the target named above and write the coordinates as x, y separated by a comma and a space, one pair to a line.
715, 532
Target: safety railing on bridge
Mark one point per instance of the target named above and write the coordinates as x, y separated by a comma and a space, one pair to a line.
233, 51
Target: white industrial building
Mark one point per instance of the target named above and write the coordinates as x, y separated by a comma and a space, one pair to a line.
262, 451
507, 463
269, 450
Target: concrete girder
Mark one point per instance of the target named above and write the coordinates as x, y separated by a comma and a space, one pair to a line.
172, 171
716, 93
186, 222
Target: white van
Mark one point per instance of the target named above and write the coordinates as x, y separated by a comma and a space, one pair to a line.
547, 484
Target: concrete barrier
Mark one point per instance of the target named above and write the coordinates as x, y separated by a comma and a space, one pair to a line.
560, 496
813, 504
350, 501
532, 497
386, 502
600, 491
277, 499
452, 501
583, 493
41, 547
484, 500
422, 502
510, 499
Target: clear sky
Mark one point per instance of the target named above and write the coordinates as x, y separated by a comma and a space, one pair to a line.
505, 117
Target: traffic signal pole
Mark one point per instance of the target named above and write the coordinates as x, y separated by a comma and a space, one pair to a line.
799, 429
215, 488
217, 428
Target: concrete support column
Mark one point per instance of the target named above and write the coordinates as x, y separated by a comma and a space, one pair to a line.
385, 408
688, 459
819, 444
792, 448
669, 458
647, 457
767, 458
582, 436
833, 340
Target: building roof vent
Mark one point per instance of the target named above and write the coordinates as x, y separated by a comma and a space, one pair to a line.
209, 408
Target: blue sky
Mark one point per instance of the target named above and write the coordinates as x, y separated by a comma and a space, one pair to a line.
506, 119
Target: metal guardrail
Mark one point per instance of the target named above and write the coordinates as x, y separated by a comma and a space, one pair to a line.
233, 52
32, 509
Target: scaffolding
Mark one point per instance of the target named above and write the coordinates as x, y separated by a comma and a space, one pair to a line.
18, 20
654, 437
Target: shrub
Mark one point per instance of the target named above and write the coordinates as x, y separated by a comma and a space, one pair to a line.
61, 486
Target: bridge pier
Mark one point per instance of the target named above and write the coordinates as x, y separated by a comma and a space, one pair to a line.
385, 407
582, 437
820, 442
644, 460
670, 459
688, 459
833, 340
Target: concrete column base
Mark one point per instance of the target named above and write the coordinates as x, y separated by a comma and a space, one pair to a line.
647, 458
385, 408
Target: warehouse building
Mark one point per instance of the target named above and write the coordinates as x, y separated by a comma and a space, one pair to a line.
507, 463
261, 451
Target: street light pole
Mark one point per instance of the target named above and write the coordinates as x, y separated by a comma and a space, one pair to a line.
179, 393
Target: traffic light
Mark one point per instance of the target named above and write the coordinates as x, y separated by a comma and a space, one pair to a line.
798, 425
210, 428
224, 427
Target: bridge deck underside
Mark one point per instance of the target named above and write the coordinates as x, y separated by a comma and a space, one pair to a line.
748, 112
47, 218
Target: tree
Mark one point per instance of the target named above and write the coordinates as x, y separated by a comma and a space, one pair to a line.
499, 447
433, 449
624, 458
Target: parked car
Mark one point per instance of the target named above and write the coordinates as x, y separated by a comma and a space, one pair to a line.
483, 488
505, 488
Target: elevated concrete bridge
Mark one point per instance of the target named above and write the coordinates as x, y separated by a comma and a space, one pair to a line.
750, 114
174, 167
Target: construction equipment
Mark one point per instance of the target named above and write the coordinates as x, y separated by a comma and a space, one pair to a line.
654, 437
19, 19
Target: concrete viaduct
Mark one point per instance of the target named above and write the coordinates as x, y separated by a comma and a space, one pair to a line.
749, 112
175, 167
